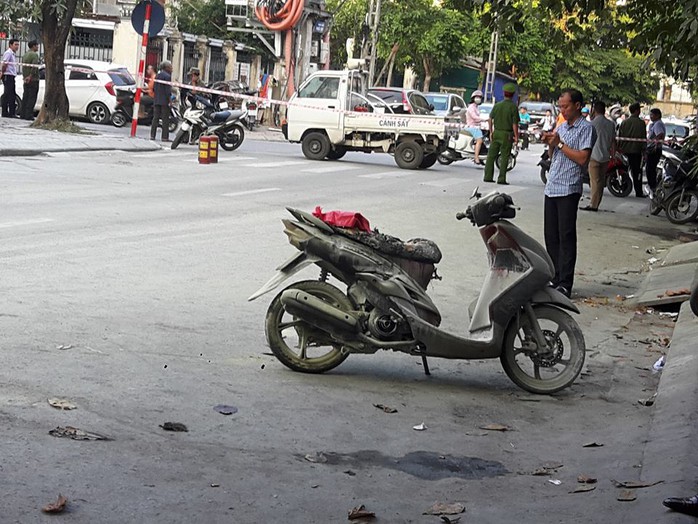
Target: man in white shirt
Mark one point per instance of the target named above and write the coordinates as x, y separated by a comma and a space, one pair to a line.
9, 73
600, 154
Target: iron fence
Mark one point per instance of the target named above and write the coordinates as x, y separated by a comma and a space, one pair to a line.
90, 45
216, 67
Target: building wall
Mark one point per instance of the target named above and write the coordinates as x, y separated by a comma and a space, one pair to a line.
126, 46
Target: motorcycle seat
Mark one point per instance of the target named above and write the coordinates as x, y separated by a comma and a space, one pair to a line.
417, 249
220, 116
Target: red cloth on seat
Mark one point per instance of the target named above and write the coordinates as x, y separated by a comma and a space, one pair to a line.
348, 219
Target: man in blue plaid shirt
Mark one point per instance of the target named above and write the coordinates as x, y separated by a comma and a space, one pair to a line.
570, 145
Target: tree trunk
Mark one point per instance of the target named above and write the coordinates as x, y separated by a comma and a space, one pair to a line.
427, 75
55, 28
393, 52
391, 68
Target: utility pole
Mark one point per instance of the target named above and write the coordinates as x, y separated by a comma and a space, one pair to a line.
370, 43
491, 67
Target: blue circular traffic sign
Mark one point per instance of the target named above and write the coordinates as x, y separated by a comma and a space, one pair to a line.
157, 17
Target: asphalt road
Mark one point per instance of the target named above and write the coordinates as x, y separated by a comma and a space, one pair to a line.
141, 264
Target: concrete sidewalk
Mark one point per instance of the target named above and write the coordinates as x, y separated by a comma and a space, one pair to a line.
18, 139
670, 454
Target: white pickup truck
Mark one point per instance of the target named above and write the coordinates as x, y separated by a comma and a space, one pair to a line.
329, 116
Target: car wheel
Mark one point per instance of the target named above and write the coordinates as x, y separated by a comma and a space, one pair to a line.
97, 113
409, 154
316, 146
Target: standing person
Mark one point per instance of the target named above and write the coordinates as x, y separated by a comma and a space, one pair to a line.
571, 145
656, 135
504, 133
524, 122
9, 73
161, 102
548, 121
472, 119
601, 154
148, 90
633, 127
194, 75
31, 80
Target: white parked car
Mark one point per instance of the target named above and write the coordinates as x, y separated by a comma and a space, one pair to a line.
90, 86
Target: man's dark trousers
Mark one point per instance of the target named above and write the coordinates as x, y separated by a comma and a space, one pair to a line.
9, 101
160, 111
651, 168
635, 165
31, 91
560, 227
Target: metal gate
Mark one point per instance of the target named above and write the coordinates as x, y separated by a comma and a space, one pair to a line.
190, 59
91, 44
216, 67
153, 55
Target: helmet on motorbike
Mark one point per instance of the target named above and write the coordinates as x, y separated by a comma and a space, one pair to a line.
476, 94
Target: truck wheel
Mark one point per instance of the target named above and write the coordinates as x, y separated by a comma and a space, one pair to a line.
409, 154
336, 153
316, 146
429, 160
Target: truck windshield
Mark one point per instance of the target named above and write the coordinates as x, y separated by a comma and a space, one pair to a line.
320, 87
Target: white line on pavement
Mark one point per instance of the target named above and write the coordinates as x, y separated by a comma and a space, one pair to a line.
16, 223
387, 174
331, 169
252, 191
276, 164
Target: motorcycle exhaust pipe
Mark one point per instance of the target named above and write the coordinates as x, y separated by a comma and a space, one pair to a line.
317, 312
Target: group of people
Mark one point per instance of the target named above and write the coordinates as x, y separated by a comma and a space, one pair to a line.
30, 75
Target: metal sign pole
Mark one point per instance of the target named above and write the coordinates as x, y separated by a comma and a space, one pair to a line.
141, 69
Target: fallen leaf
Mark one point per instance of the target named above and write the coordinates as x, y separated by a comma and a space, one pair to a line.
174, 426
583, 488
583, 479
647, 401
75, 434
360, 512
626, 496
64, 347
350, 473
56, 507
552, 465
496, 427
420, 427
316, 458
314, 486
387, 409
225, 410
445, 508
476, 433
635, 484
61, 403
541, 472
592, 445
677, 292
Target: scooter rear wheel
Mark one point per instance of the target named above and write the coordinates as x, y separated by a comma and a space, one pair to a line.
537, 371
118, 119
231, 140
298, 345
444, 160
619, 183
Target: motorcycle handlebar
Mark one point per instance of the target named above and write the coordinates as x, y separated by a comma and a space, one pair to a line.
461, 215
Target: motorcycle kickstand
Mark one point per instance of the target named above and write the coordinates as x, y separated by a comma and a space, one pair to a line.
422, 352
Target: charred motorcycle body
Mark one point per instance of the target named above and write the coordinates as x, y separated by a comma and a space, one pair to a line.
312, 326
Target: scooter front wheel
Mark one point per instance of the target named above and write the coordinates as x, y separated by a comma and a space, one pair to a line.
232, 139
543, 371
299, 345
118, 119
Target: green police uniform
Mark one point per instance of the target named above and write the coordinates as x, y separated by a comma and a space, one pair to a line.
504, 116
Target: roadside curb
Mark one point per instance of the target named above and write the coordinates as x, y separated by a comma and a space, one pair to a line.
670, 453
76, 149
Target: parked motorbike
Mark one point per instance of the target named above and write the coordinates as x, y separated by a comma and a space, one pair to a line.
123, 113
618, 180
251, 106
676, 192
462, 147
312, 326
202, 119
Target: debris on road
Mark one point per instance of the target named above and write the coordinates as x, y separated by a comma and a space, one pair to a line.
626, 496
555, 481
634, 484
420, 427
647, 401
659, 365
56, 507
63, 347
592, 445
316, 458
61, 403
75, 434
225, 410
350, 473
583, 488
215, 485
360, 512
677, 292
385, 408
445, 508
496, 427
583, 479
174, 426
448, 520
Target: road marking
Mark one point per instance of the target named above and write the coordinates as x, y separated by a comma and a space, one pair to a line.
331, 169
252, 192
165, 152
445, 182
25, 222
276, 164
387, 174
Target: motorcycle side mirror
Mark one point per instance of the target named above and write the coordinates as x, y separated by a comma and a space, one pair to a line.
476, 193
